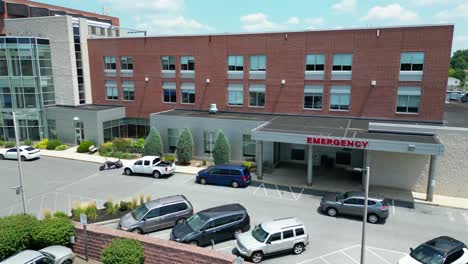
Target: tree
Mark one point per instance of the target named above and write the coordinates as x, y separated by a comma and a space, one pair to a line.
153, 144
459, 74
221, 150
459, 60
185, 147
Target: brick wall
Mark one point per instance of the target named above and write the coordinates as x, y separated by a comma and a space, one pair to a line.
374, 58
156, 250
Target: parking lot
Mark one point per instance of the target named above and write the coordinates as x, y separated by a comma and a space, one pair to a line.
57, 184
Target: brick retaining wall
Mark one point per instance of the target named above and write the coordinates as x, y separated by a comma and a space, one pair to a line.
156, 250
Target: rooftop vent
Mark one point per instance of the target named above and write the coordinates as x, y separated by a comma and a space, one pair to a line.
213, 109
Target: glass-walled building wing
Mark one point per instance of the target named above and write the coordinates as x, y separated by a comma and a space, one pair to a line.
26, 86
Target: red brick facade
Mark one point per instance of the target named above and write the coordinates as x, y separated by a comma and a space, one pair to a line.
157, 251
374, 58
115, 20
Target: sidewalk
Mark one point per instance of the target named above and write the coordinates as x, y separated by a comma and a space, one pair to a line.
399, 195
81, 260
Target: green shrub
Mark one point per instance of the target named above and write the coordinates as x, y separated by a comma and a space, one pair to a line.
106, 149
16, 234
91, 211
53, 143
42, 144
59, 214
53, 231
124, 206
139, 144
47, 213
84, 146
153, 144
122, 144
185, 147
169, 158
27, 142
123, 251
61, 147
221, 150
1, 143
122, 155
247, 164
9, 144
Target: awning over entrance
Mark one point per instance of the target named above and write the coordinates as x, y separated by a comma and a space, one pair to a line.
341, 132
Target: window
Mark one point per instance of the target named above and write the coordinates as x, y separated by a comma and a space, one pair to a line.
139, 162
109, 63
235, 94
411, 61
169, 91
371, 203
173, 208
172, 138
258, 63
153, 213
209, 140
168, 63
146, 163
299, 231
340, 97
408, 99
313, 96
44, 260
128, 90
275, 237
342, 62
315, 62
235, 63
126, 63
111, 88
248, 146
257, 95
187, 63
354, 201
224, 220
188, 93
454, 257
288, 234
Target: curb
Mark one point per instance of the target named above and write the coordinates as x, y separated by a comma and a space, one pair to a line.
107, 222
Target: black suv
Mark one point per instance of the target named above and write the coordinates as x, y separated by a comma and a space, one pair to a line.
440, 250
217, 224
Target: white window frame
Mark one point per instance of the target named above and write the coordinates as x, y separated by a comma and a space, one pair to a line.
128, 87
187, 88
257, 89
235, 88
408, 91
315, 58
236, 58
340, 90
257, 58
112, 84
315, 91
184, 60
169, 86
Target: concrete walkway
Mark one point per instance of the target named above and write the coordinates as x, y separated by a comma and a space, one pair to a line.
395, 194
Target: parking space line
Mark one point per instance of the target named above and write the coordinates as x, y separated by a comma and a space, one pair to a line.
279, 193
323, 259
223, 248
328, 254
294, 195
190, 178
393, 207
69, 204
258, 188
450, 216
38, 215
351, 258
387, 250
375, 254
299, 196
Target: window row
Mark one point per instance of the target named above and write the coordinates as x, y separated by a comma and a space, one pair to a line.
126, 63
128, 90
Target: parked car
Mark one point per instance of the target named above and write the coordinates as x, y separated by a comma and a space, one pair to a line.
157, 214
440, 250
48, 255
226, 174
26, 153
277, 236
454, 95
217, 224
150, 165
464, 99
352, 203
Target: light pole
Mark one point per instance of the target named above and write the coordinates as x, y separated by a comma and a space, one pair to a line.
20, 166
364, 218
211, 148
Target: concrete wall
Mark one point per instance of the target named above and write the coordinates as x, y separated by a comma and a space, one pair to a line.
398, 170
60, 32
92, 122
84, 34
233, 129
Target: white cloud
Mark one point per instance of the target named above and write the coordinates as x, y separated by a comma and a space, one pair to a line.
293, 20
158, 16
347, 6
460, 11
257, 22
393, 12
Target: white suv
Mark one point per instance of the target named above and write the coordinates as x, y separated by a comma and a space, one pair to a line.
277, 236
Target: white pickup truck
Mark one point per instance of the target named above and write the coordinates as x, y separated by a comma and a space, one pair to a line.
150, 165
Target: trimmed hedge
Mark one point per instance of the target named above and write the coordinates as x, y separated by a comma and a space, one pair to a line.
221, 150
53, 144
61, 147
185, 147
84, 146
153, 144
123, 251
16, 234
9, 144
54, 231
42, 144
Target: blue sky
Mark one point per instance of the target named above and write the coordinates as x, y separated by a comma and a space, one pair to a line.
161, 17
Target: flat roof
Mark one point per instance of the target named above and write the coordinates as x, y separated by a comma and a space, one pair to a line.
456, 115
219, 115
88, 107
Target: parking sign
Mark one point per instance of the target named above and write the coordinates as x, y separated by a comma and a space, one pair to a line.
83, 219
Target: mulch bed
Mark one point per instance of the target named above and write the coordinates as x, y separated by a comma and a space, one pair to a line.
102, 215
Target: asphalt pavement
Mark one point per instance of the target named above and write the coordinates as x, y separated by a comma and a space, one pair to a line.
57, 184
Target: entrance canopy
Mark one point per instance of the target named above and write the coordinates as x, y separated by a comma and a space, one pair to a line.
341, 132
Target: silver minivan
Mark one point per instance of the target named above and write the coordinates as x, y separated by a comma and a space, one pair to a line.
157, 214
277, 236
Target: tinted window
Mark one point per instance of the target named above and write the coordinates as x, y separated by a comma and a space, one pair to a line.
236, 172
173, 208
223, 220
426, 254
225, 172
215, 171
156, 160
299, 232
12, 150
30, 149
147, 162
288, 234
139, 162
370, 203
275, 237
44, 261
153, 213
454, 256
354, 201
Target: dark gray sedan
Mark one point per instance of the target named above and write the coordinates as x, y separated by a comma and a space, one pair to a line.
352, 203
